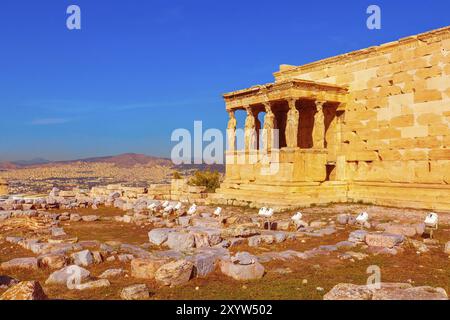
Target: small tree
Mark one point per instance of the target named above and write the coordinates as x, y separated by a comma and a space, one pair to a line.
207, 178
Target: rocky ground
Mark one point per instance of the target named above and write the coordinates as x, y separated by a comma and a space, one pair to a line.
115, 248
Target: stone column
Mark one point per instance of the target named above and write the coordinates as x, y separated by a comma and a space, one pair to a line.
319, 127
250, 130
231, 131
270, 124
292, 122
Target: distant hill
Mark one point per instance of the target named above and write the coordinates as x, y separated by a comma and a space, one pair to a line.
126, 160
7, 165
121, 160
31, 162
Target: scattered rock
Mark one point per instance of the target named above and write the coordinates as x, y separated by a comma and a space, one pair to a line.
356, 255
317, 224
159, 236
146, 268
254, 241
383, 250
135, 250
135, 292
342, 219
20, 263
52, 260
242, 267
111, 273
385, 240
7, 281
83, 258
180, 241
125, 257
348, 291
68, 274
447, 248
58, 232
243, 258
175, 273
89, 218
204, 263
418, 245
405, 230
357, 236
26, 290
92, 285
75, 217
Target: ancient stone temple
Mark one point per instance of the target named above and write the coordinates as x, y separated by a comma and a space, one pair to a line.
369, 126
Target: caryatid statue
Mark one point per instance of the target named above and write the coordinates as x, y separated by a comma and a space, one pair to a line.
231, 131
250, 130
270, 124
319, 127
293, 117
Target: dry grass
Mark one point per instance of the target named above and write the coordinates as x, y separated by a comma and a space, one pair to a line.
431, 268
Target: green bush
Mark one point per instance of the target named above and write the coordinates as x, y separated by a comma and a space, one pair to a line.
207, 178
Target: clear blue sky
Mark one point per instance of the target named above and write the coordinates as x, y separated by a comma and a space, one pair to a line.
140, 68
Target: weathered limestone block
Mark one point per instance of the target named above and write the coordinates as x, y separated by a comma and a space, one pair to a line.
447, 248
242, 272
20, 263
159, 236
27, 290
111, 273
135, 292
52, 260
385, 240
358, 236
83, 258
89, 218
387, 291
175, 273
68, 274
204, 263
146, 268
92, 285
405, 230
415, 293
180, 241
205, 237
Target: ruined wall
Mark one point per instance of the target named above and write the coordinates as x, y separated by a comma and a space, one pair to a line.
396, 126
3, 187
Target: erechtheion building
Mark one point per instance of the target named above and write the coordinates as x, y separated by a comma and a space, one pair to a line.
369, 126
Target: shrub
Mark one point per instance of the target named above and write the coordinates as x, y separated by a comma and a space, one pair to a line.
176, 175
207, 178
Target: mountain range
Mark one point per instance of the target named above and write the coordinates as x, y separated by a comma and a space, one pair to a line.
122, 160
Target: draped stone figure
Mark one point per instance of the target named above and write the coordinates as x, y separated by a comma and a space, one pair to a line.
293, 117
319, 127
269, 126
250, 130
231, 131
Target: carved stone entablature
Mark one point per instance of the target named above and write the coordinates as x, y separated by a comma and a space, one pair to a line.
298, 89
